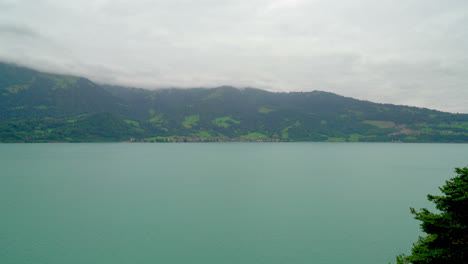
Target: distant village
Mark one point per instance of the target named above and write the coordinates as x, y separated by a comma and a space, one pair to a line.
205, 139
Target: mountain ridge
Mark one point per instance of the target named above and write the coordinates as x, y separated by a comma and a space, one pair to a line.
44, 107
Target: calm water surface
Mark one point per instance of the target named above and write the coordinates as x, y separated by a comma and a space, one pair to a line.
216, 203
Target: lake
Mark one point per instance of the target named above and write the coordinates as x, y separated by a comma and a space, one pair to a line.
325, 203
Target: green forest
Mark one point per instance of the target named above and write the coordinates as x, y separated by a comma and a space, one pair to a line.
43, 107
446, 241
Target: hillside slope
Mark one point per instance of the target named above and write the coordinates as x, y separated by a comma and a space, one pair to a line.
39, 107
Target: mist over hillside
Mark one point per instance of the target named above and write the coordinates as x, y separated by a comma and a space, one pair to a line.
37, 107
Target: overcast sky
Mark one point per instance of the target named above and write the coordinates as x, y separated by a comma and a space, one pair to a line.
412, 52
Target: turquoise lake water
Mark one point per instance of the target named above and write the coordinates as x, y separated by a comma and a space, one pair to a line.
217, 202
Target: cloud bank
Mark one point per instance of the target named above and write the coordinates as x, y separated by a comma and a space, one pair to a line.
402, 52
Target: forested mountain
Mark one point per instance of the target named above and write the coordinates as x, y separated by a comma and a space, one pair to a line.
41, 107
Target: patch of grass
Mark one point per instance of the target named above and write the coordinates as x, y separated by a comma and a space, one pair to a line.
16, 88
380, 124
204, 134
284, 132
460, 125
18, 107
191, 121
336, 139
354, 137
225, 121
265, 110
448, 133
443, 125
216, 94
62, 82
410, 138
156, 119
254, 135
133, 123
41, 107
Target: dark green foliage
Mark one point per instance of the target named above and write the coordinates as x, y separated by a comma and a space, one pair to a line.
86, 128
447, 239
36, 106
27, 94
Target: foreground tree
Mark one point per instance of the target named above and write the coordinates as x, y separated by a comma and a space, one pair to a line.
447, 231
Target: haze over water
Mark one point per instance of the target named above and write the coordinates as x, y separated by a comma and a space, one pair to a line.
216, 203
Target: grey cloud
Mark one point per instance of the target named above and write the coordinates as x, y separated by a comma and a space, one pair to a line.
19, 30
403, 52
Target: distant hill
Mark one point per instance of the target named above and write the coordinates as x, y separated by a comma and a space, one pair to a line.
42, 107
